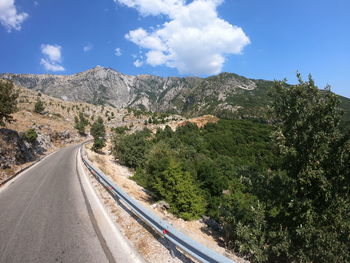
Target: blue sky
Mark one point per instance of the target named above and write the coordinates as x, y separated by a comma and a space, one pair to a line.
257, 39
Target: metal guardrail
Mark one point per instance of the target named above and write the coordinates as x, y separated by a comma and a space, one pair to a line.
177, 238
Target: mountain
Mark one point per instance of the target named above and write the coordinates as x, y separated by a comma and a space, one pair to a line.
225, 95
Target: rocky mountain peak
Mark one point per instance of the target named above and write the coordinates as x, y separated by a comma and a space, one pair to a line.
101, 85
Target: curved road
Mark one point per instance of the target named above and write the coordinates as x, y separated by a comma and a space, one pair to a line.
44, 215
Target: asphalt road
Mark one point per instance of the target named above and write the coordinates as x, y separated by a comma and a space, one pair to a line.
44, 216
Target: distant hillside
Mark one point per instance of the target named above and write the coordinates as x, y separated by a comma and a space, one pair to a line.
226, 95
54, 128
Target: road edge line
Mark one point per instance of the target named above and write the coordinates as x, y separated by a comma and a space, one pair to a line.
20, 173
107, 227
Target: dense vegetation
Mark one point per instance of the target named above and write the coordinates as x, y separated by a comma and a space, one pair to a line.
8, 101
209, 159
281, 192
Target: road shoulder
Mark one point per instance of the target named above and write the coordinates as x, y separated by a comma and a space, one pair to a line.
117, 244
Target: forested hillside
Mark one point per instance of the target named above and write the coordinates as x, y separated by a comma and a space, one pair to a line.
281, 192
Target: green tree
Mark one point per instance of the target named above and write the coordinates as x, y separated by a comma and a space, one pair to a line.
168, 180
315, 208
131, 149
244, 224
297, 208
8, 101
98, 131
80, 122
39, 106
178, 187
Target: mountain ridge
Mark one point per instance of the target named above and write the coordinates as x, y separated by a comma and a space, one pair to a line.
226, 95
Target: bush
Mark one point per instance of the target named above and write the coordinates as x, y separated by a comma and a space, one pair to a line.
39, 107
30, 136
98, 144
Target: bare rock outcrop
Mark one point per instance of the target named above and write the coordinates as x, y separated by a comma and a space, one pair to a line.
105, 86
14, 149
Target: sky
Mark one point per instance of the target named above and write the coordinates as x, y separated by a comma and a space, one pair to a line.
270, 39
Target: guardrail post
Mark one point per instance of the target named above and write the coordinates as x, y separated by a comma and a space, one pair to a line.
172, 248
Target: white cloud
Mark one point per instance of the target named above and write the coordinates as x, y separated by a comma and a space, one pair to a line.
52, 51
117, 52
152, 7
141, 38
138, 63
195, 40
9, 17
52, 57
36, 3
155, 58
48, 65
88, 47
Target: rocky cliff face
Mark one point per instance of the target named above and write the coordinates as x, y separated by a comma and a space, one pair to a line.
14, 149
190, 95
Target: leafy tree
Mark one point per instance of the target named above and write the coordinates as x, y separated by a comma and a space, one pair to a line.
130, 149
39, 107
316, 161
178, 187
297, 209
8, 101
169, 180
244, 223
80, 123
98, 131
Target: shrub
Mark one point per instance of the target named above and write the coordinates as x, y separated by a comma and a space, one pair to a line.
30, 136
39, 107
98, 144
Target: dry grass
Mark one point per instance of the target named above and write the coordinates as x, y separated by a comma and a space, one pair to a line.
59, 114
